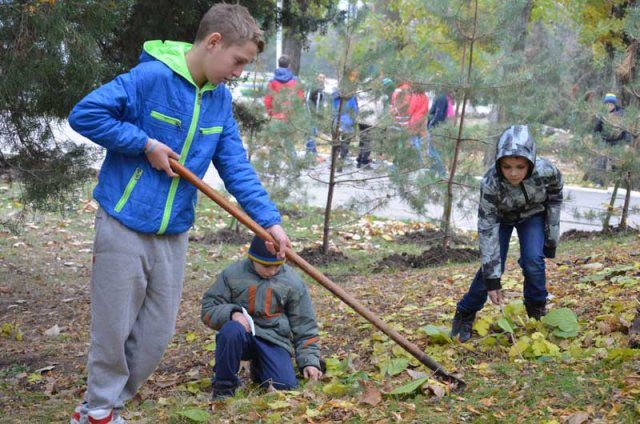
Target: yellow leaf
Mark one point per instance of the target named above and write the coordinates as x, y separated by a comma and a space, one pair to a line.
34, 377
278, 404
312, 413
482, 326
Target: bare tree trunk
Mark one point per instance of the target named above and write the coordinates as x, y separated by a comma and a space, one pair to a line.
292, 47
627, 200
335, 146
611, 207
464, 56
446, 216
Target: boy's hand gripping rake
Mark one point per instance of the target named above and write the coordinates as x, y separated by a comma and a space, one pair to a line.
318, 276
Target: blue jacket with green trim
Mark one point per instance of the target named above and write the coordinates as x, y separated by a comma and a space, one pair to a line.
158, 99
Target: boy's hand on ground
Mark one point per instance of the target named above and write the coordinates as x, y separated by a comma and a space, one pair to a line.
495, 296
277, 232
158, 154
239, 316
312, 373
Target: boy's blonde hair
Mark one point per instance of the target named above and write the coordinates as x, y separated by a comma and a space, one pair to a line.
233, 22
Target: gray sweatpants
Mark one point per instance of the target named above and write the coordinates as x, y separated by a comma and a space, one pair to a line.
136, 285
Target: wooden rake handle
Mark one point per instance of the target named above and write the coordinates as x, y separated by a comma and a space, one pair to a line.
338, 291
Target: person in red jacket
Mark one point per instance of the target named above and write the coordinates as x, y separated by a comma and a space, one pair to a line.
282, 90
410, 108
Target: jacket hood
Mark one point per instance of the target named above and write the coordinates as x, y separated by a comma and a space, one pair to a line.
517, 141
172, 54
283, 75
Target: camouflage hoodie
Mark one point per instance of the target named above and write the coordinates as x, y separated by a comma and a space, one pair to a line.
502, 202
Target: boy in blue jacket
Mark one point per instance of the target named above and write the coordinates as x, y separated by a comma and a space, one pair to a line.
174, 104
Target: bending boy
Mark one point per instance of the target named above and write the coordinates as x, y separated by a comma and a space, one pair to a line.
523, 192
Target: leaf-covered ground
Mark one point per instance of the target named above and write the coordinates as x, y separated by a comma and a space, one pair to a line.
575, 367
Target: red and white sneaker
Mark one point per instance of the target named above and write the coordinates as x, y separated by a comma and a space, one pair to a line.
78, 416
104, 416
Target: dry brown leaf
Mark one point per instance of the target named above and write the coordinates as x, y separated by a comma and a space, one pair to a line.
577, 418
50, 388
416, 374
438, 390
371, 396
53, 331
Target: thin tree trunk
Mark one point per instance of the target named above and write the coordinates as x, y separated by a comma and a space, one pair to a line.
335, 145
446, 217
464, 55
627, 200
610, 209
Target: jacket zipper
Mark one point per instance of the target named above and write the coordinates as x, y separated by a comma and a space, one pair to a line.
524, 191
183, 157
128, 189
164, 118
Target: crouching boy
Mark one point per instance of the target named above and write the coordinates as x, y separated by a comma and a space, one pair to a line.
263, 291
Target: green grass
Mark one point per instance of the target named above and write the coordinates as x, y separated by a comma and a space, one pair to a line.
501, 389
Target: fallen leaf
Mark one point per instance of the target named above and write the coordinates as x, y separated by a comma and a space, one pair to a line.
416, 374
278, 404
577, 418
45, 369
53, 331
50, 388
438, 390
371, 396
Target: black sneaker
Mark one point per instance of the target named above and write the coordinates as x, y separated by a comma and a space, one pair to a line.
462, 325
536, 310
222, 390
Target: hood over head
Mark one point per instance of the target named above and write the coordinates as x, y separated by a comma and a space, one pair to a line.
283, 75
517, 140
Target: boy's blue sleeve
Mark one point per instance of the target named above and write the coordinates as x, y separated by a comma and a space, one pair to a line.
106, 116
240, 179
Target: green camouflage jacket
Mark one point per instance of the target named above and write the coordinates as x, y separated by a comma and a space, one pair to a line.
501, 202
280, 307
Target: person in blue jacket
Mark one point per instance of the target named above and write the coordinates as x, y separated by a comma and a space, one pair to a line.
173, 104
347, 114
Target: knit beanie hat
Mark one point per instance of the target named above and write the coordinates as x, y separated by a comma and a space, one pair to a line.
610, 98
258, 252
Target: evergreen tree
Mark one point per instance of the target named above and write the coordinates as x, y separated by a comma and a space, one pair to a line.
51, 56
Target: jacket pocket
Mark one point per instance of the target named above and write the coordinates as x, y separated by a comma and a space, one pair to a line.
128, 189
211, 130
166, 118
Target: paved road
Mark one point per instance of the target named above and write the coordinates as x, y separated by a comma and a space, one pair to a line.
576, 198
